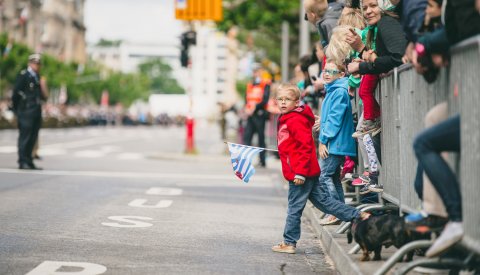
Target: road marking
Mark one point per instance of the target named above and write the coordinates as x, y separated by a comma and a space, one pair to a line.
89, 154
164, 191
184, 176
141, 203
86, 142
128, 219
8, 149
129, 156
51, 267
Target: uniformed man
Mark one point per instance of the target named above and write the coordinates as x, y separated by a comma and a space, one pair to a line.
257, 95
27, 105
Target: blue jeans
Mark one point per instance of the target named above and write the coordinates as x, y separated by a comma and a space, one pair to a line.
443, 137
320, 198
330, 176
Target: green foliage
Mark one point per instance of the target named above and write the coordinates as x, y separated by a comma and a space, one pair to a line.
160, 75
123, 88
108, 43
264, 18
242, 87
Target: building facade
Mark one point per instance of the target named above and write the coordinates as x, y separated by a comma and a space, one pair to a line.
55, 27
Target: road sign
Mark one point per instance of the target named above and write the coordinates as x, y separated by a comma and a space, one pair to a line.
199, 10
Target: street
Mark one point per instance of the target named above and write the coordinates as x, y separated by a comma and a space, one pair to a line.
119, 200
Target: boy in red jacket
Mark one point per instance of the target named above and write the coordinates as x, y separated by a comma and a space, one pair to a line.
300, 166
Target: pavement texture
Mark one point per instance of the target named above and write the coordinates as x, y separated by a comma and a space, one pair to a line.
129, 200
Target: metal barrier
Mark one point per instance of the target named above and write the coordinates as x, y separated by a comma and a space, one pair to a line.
465, 76
405, 99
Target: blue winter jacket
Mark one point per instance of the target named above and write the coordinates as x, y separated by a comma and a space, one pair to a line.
337, 120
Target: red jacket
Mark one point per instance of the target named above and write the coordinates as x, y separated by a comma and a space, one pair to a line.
295, 144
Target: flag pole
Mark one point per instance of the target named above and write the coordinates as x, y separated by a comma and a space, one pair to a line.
266, 149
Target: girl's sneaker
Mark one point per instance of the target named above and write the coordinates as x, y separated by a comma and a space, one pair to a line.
374, 186
358, 182
371, 127
365, 190
377, 188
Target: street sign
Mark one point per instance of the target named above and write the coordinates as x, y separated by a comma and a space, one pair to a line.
199, 10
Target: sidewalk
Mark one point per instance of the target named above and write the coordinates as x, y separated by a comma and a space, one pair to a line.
334, 244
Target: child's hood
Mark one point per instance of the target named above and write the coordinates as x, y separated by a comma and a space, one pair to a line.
338, 83
303, 110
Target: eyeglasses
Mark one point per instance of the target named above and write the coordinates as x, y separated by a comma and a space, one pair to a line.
331, 72
305, 17
285, 99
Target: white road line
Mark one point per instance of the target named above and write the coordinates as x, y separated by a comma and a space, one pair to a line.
86, 142
129, 175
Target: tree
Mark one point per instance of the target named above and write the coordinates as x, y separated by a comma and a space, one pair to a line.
123, 88
160, 75
264, 18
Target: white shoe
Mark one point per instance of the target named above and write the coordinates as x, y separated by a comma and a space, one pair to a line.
452, 234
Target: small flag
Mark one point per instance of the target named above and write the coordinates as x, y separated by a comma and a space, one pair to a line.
242, 156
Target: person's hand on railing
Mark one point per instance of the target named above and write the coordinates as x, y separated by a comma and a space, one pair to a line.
407, 58
354, 66
354, 40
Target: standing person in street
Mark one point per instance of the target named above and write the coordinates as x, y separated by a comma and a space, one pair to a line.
300, 167
257, 95
27, 105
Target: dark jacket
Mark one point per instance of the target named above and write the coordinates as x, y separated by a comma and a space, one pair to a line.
27, 94
296, 147
328, 22
390, 47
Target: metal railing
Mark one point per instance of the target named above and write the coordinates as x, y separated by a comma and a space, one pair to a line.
405, 99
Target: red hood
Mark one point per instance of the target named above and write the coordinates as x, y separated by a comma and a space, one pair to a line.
304, 110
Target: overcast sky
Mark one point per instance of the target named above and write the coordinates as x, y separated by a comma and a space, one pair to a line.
133, 20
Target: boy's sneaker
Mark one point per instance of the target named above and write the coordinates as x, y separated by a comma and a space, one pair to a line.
284, 248
371, 127
452, 234
422, 222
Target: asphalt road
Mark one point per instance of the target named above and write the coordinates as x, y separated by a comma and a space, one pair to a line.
127, 201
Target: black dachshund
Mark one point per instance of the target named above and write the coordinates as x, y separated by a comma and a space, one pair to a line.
377, 231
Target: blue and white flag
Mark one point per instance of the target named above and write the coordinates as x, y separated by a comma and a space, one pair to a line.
242, 156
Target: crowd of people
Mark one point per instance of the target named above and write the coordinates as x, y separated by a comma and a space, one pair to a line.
360, 42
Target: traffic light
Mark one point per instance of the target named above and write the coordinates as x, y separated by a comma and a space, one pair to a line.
187, 39
184, 57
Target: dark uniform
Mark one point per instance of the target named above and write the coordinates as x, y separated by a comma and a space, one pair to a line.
27, 105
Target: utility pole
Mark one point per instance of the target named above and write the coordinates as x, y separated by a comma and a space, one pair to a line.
285, 50
304, 33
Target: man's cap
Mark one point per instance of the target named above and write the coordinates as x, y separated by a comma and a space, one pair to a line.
34, 58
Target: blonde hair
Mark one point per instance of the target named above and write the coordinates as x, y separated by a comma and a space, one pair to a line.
289, 87
338, 50
319, 7
353, 18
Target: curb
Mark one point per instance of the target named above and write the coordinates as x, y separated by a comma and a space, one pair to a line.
343, 263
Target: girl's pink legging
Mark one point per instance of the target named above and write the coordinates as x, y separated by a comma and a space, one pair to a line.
371, 109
